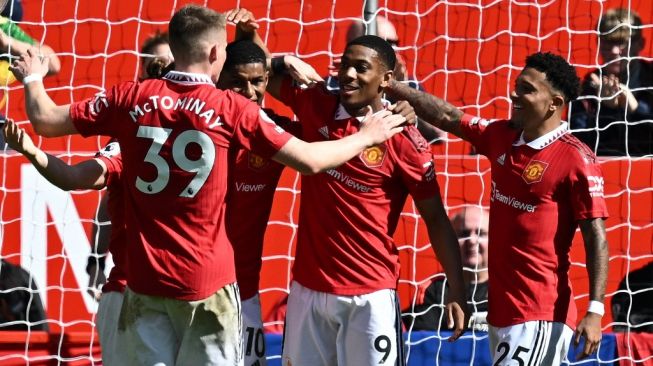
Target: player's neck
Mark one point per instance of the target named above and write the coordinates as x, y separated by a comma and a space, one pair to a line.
195, 68
533, 132
376, 104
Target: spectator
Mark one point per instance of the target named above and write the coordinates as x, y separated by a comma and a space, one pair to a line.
471, 226
155, 47
12, 9
624, 88
20, 303
631, 306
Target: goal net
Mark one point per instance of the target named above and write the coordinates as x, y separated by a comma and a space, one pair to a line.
465, 51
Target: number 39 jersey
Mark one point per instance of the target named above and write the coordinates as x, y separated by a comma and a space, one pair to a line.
175, 136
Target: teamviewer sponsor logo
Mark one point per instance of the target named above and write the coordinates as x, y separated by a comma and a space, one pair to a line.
511, 201
347, 181
595, 185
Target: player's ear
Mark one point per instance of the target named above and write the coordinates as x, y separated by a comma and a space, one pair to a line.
387, 76
557, 103
213, 53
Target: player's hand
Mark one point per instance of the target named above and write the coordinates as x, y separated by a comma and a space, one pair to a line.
96, 279
29, 63
456, 318
379, 127
405, 109
590, 329
243, 19
300, 71
334, 68
17, 138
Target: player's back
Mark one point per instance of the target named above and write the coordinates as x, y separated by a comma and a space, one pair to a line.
175, 158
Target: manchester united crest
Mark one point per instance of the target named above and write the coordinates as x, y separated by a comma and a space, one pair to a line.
534, 171
373, 156
256, 161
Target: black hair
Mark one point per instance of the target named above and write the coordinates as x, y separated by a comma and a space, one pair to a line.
242, 53
383, 49
560, 74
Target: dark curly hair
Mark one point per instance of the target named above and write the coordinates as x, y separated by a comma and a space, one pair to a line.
242, 53
558, 71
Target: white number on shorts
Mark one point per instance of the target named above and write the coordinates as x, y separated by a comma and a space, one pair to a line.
505, 348
201, 167
382, 344
256, 340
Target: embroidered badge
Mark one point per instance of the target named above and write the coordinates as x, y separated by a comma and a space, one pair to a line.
534, 171
256, 161
373, 156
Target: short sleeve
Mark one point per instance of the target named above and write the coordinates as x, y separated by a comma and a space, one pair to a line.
99, 115
415, 164
475, 128
112, 158
257, 132
587, 185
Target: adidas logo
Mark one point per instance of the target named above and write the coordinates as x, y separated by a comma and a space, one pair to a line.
324, 131
501, 159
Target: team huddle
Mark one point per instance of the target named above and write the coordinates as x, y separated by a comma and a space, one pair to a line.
192, 167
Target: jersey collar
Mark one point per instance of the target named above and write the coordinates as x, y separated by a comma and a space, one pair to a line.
544, 140
189, 78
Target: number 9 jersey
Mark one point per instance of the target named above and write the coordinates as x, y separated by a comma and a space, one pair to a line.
176, 134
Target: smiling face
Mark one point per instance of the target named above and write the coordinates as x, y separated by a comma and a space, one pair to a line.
362, 77
533, 99
471, 227
248, 80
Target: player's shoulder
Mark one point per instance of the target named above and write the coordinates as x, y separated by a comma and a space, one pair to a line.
410, 138
576, 150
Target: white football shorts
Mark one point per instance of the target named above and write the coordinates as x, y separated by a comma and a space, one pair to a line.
253, 337
164, 331
534, 343
112, 341
327, 330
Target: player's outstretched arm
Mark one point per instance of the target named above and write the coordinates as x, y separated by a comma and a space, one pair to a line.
316, 157
89, 174
288, 65
429, 108
445, 245
47, 117
596, 253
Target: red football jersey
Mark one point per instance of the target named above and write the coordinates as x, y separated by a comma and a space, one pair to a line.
110, 156
254, 180
539, 192
349, 214
175, 134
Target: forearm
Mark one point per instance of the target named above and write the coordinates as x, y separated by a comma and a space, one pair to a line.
47, 118
53, 169
317, 157
596, 252
445, 245
428, 108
